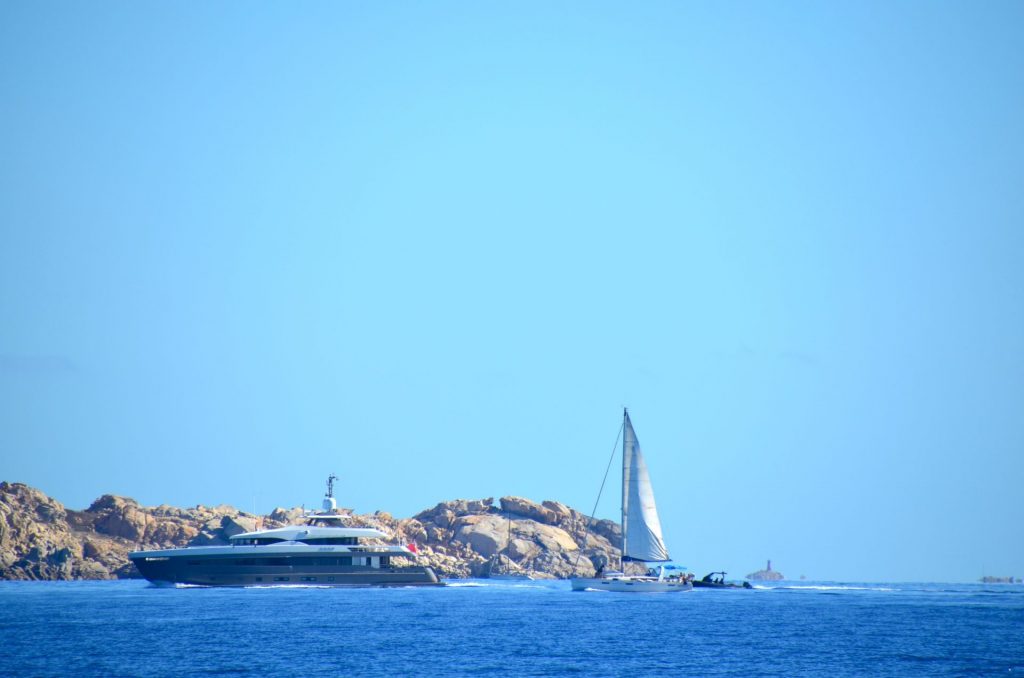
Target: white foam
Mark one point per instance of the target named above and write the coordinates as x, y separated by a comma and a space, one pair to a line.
289, 586
823, 587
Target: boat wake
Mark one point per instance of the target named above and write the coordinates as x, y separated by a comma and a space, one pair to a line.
822, 587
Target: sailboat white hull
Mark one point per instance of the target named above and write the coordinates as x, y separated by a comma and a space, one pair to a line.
630, 584
515, 576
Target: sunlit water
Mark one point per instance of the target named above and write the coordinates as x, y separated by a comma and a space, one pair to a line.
129, 628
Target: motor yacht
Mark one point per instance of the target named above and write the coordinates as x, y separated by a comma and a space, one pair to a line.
322, 551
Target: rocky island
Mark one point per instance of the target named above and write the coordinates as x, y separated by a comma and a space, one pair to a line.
767, 574
41, 539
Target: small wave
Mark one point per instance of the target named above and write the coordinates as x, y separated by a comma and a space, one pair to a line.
290, 586
463, 584
827, 588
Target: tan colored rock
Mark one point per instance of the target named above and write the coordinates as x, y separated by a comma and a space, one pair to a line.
444, 518
172, 532
35, 539
125, 521
232, 525
90, 549
522, 550
529, 509
559, 509
485, 534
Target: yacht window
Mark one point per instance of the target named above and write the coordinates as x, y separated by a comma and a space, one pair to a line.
341, 541
274, 561
385, 561
345, 560
282, 578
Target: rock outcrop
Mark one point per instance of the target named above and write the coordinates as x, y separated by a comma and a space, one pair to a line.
460, 538
41, 539
35, 539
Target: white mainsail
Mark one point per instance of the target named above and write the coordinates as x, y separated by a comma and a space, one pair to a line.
641, 529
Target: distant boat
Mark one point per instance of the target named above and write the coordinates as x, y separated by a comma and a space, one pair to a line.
641, 530
716, 580
506, 569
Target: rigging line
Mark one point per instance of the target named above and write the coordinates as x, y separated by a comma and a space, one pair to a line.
586, 532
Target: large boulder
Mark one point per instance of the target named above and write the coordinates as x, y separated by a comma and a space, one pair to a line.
562, 511
485, 534
456, 507
232, 525
125, 521
283, 516
172, 532
523, 550
529, 509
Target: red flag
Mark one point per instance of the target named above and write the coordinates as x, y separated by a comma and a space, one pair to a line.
412, 547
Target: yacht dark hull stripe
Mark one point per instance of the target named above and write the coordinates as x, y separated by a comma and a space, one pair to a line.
229, 571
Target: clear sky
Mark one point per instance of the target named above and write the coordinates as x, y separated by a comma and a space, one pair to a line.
436, 247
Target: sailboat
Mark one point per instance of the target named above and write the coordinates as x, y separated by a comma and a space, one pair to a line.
641, 530
508, 570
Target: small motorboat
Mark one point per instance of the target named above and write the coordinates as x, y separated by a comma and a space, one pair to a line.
716, 580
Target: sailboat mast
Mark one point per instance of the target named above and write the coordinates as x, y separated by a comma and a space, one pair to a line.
623, 523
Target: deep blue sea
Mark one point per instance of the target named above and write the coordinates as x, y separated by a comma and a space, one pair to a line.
129, 628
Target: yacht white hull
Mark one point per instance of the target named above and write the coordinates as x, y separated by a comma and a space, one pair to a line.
630, 584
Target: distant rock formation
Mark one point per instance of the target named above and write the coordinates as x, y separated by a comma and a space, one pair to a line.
41, 539
460, 538
767, 574
989, 579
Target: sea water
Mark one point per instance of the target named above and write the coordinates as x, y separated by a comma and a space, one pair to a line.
130, 628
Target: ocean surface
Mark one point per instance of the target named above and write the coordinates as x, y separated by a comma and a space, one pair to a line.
130, 628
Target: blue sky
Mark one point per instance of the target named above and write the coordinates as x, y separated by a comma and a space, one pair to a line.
436, 247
